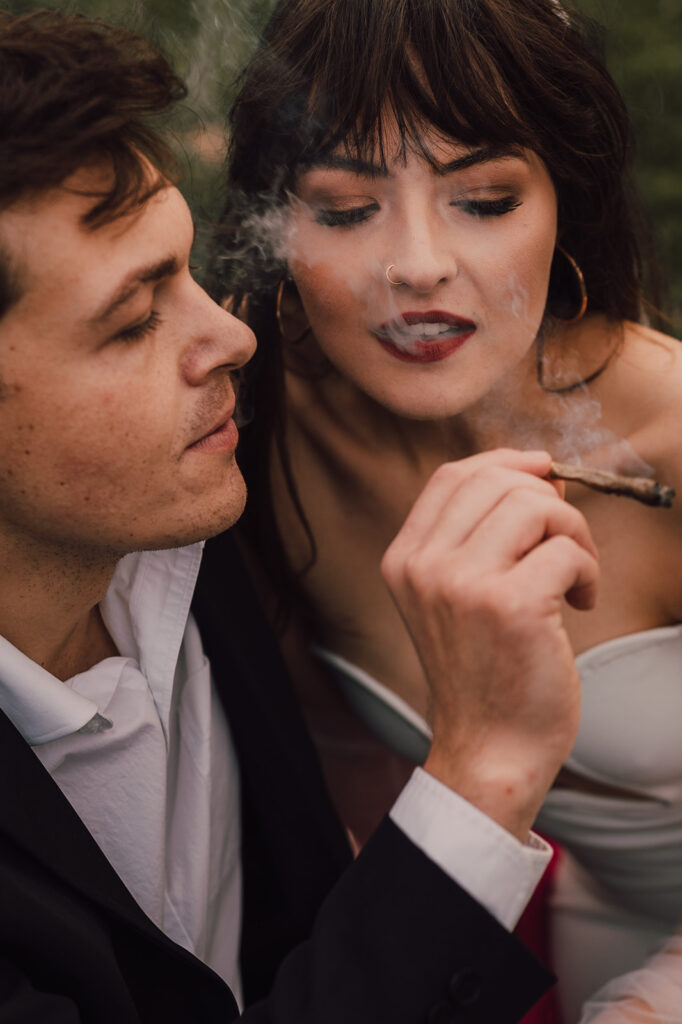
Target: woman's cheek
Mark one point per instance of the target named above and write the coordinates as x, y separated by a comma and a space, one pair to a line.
326, 293
523, 279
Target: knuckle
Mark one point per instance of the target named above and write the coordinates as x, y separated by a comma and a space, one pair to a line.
522, 502
563, 547
446, 473
419, 572
488, 473
391, 564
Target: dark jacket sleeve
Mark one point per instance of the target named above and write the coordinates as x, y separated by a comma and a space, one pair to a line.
397, 942
394, 941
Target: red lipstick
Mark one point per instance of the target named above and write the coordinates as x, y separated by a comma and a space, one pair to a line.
424, 336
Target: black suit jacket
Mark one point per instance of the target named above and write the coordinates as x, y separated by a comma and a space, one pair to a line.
387, 939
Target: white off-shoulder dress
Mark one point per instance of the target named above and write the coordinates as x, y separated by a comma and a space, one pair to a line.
618, 893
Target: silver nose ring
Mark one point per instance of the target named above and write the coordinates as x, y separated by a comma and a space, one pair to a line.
390, 279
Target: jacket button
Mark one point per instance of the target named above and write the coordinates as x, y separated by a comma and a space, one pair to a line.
441, 1014
465, 987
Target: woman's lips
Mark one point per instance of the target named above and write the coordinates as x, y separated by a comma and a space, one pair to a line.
424, 337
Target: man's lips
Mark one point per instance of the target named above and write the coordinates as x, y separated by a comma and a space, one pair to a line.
221, 436
424, 336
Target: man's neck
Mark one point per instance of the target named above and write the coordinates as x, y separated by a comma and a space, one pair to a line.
49, 606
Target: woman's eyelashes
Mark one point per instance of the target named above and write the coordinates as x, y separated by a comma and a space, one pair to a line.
488, 207
479, 208
138, 331
332, 218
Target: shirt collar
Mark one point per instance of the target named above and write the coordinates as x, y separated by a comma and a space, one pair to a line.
145, 610
40, 706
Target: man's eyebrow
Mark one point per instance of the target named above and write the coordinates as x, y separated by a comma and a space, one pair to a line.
143, 275
482, 155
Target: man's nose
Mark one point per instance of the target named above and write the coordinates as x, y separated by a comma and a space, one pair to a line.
220, 341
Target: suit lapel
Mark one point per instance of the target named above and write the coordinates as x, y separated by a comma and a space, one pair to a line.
36, 815
276, 753
294, 846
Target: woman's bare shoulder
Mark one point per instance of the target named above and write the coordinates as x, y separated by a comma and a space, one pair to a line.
649, 374
646, 377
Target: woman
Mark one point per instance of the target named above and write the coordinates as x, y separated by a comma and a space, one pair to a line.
432, 199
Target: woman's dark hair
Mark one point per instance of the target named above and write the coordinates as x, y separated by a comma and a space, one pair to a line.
507, 72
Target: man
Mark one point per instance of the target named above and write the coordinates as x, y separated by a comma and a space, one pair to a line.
164, 828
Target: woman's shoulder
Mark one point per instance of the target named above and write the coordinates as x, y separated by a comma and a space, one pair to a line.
645, 384
647, 379
652, 358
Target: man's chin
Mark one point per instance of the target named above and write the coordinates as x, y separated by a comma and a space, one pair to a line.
222, 516
205, 522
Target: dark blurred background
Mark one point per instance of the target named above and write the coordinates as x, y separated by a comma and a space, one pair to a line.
208, 41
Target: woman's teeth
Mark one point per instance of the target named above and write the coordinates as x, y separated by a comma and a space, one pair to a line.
426, 332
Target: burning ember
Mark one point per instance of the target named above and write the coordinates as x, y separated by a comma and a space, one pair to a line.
650, 492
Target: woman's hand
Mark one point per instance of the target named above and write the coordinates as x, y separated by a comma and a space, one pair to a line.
479, 572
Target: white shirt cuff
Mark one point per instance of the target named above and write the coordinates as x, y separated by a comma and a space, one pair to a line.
487, 861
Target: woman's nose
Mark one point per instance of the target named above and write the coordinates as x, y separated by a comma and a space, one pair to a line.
421, 260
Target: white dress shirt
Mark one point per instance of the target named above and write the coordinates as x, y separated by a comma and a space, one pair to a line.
140, 747
153, 772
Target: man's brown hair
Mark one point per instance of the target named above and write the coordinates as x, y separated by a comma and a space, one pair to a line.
75, 91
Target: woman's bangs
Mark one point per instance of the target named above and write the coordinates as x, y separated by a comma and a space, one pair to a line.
391, 105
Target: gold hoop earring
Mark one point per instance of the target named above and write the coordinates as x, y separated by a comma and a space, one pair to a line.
582, 288
278, 316
394, 284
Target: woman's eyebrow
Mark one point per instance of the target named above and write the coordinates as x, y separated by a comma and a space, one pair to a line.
482, 155
354, 164
368, 169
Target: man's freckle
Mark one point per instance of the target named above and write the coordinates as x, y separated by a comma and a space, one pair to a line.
26, 451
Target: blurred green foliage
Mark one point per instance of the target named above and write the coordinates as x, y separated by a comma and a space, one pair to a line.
208, 42
643, 44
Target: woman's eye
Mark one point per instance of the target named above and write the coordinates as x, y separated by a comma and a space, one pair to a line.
138, 331
345, 218
488, 207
